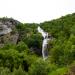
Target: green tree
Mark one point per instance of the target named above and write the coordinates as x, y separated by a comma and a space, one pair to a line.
41, 67
21, 46
19, 71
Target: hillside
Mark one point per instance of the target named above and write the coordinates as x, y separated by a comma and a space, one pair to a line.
21, 48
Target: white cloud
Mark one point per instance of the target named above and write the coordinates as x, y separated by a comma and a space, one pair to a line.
36, 10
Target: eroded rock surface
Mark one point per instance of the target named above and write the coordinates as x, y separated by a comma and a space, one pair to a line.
8, 31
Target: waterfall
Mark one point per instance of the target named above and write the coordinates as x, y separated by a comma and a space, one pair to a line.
45, 42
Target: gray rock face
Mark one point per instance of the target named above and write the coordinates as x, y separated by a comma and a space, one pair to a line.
8, 31
4, 30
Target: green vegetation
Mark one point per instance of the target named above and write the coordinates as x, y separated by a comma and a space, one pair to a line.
25, 58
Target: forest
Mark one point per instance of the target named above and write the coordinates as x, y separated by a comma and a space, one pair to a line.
25, 57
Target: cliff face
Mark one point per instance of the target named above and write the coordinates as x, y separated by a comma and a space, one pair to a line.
8, 31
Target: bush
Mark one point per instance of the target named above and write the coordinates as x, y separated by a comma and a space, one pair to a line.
4, 71
40, 67
21, 46
60, 71
19, 71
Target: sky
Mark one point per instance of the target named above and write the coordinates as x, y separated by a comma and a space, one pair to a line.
36, 11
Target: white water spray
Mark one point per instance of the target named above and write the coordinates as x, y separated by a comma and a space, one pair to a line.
44, 44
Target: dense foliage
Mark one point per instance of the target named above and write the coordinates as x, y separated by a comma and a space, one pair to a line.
25, 58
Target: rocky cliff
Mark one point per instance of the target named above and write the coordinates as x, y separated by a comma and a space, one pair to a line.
8, 31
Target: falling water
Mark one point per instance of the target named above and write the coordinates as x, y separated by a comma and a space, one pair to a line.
45, 42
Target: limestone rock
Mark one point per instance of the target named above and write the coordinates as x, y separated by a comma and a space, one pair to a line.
8, 31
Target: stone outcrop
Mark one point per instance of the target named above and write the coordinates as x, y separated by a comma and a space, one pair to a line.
8, 31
